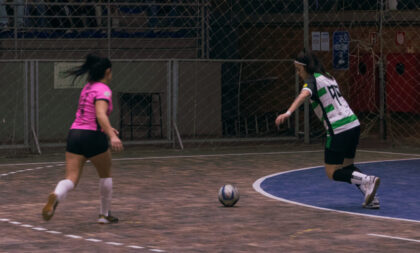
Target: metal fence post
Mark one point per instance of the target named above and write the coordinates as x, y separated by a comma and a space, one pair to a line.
306, 44
382, 122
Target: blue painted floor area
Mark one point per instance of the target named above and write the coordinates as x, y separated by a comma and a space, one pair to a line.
399, 192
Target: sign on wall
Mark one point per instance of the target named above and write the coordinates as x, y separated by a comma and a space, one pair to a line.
316, 41
325, 41
341, 46
320, 41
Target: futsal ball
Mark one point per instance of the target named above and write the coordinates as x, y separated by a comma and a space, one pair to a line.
228, 195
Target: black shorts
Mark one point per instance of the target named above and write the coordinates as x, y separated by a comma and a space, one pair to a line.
88, 143
342, 145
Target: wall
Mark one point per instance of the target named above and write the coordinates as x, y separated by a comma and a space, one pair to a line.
200, 99
57, 107
281, 42
12, 102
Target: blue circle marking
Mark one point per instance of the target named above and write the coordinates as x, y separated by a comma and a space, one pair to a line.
399, 192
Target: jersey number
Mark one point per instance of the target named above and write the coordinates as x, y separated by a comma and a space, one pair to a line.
83, 101
335, 93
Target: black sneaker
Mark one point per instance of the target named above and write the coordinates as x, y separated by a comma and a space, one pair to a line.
107, 219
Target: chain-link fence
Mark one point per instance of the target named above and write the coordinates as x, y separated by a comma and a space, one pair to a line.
379, 76
198, 70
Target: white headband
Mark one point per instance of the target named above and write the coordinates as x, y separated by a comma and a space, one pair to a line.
300, 63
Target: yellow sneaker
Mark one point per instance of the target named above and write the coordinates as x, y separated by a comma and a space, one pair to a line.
49, 208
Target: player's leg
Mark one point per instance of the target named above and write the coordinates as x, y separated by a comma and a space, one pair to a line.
347, 142
74, 168
330, 170
367, 184
335, 169
349, 164
371, 185
334, 159
102, 163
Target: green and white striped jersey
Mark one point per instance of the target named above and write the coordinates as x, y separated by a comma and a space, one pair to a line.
329, 105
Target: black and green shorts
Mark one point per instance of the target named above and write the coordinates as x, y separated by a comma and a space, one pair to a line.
341, 146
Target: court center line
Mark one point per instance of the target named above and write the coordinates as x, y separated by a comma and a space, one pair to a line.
395, 237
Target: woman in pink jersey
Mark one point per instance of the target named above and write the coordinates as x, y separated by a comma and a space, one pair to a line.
87, 138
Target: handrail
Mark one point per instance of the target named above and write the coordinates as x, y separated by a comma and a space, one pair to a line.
197, 3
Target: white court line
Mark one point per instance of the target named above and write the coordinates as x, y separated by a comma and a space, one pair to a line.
135, 247
74, 236
177, 156
257, 187
386, 152
115, 243
53, 232
93, 240
20, 171
39, 229
39, 163
395, 237
213, 155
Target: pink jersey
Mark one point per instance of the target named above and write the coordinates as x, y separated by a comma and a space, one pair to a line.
86, 113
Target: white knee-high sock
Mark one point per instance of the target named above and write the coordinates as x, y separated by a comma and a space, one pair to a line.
62, 188
105, 189
358, 178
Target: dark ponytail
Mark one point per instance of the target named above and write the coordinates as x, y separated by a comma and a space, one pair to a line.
94, 65
311, 63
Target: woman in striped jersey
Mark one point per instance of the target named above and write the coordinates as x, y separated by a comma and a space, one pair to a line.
342, 125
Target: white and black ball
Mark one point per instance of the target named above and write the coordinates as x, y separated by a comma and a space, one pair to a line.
228, 195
